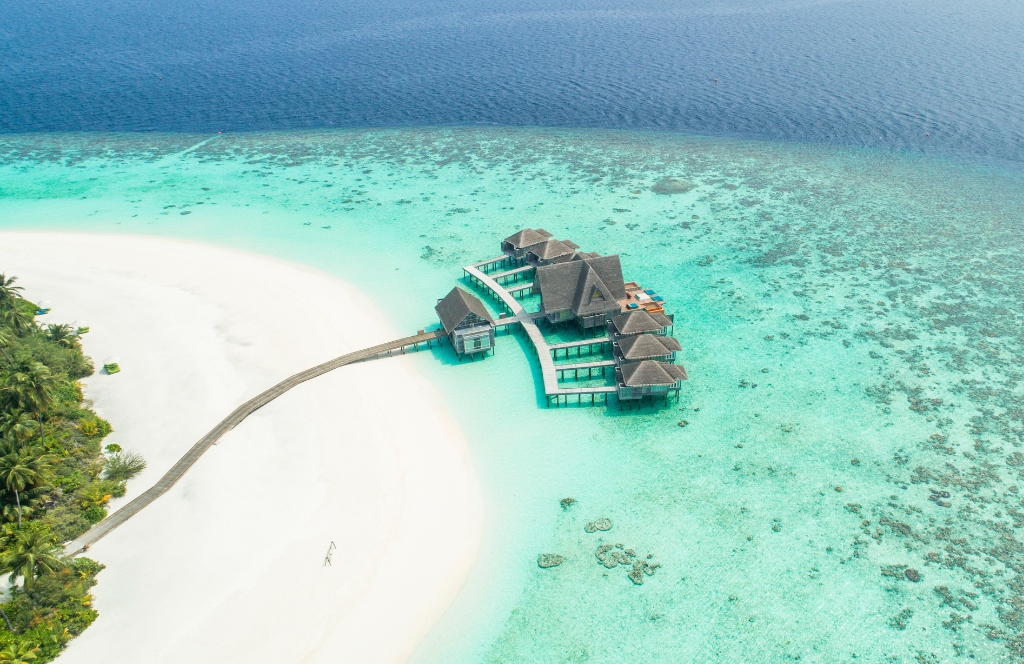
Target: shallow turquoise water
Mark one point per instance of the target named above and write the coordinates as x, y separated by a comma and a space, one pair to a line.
850, 320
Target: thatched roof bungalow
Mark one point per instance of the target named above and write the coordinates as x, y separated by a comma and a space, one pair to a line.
641, 347
515, 246
639, 321
586, 289
551, 252
636, 380
469, 326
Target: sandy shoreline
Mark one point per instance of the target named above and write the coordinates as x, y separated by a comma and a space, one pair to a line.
228, 566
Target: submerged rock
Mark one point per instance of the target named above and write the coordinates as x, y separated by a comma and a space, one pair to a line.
566, 503
671, 186
640, 569
611, 557
600, 524
912, 575
546, 560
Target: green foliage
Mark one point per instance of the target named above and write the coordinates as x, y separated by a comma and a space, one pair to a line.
30, 553
57, 608
19, 653
62, 335
55, 481
123, 466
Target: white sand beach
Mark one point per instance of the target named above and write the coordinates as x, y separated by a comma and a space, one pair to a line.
229, 565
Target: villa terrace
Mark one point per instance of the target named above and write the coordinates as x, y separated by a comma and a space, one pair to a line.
578, 291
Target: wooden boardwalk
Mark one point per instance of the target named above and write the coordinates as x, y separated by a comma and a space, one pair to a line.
533, 333
582, 342
515, 272
580, 366
520, 289
236, 417
589, 344
577, 367
549, 372
489, 262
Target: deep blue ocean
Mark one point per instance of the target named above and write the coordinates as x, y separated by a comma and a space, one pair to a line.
941, 77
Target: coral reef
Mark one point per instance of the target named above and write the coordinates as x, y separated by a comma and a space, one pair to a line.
546, 560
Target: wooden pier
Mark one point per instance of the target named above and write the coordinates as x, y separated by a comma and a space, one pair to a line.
600, 343
236, 417
549, 371
589, 367
513, 273
488, 264
520, 289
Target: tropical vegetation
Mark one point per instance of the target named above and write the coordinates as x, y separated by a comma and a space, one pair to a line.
55, 481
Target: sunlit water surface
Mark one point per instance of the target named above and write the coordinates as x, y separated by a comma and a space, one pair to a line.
851, 323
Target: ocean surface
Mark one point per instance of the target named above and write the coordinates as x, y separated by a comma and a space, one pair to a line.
940, 77
851, 321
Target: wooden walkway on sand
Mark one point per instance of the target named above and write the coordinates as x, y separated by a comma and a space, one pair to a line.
236, 417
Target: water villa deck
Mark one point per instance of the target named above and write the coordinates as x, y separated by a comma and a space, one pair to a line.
586, 290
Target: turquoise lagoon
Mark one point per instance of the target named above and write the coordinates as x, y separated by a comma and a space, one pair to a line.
851, 323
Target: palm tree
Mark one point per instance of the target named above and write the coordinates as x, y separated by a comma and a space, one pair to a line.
21, 469
16, 425
22, 653
6, 339
62, 335
32, 554
15, 317
9, 513
8, 291
31, 385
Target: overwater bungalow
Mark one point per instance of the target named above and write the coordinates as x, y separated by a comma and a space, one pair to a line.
551, 252
466, 321
639, 347
515, 246
585, 290
636, 380
639, 321
581, 288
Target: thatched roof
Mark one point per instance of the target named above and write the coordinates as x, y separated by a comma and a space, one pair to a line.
550, 249
528, 237
662, 319
456, 306
587, 286
676, 370
649, 373
639, 321
646, 346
